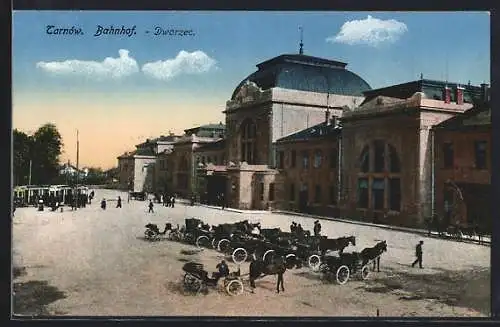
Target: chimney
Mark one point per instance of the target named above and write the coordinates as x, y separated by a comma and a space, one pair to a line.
327, 117
459, 95
485, 92
447, 94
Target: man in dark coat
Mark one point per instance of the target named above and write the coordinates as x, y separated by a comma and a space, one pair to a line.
151, 205
418, 254
317, 228
119, 202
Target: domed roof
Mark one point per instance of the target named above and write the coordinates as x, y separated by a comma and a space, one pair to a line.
306, 73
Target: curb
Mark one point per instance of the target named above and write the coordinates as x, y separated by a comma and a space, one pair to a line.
395, 228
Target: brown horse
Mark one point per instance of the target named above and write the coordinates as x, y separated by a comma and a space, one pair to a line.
259, 269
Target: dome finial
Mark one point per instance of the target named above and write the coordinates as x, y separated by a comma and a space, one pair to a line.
301, 44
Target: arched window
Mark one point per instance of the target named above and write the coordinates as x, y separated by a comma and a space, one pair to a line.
379, 177
318, 158
248, 133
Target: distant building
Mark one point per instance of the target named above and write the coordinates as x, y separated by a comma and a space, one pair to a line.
137, 169
68, 169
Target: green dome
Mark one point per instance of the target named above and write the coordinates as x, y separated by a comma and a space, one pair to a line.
307, 73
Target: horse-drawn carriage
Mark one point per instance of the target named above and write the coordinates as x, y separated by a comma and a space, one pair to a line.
345, 265
196, 280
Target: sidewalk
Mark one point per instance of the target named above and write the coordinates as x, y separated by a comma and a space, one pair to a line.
424, 232
187, 202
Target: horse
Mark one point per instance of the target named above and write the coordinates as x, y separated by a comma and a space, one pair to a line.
368, 254
259, 268
338, 244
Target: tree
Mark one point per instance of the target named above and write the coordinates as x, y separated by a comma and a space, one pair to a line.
22, 143
45, 153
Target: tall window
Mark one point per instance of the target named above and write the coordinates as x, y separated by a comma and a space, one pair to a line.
271, 192
334, 157
261, 191
305, 159
363, 193
448, 155
480, 148
248, 134
293, 159
281, 159
292, 192
317, 194
318, 158
379, 180
379, 156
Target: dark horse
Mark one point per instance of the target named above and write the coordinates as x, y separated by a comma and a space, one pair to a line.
338, 244
259, 268
369, 254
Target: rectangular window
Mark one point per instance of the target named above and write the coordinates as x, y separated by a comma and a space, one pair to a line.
261, 192
271, 192
293, 159
334, 157
317, 194
363, 193
281, 158
378, 189
292, 192
318, 158
305, 159
333, 194
480, 152
394, 194
448, 155
379, 158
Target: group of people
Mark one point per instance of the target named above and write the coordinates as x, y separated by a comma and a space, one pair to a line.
118, 203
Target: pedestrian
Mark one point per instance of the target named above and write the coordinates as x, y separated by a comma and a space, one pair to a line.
223, 200
119, 202
172, 201
418, 254
300, 230
151, 205
317, 228
169, 198
103, 204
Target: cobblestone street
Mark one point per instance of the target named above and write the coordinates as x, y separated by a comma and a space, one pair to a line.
95, 262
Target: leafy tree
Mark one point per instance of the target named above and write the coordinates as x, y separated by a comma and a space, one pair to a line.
47, 144
22, 144
43, 149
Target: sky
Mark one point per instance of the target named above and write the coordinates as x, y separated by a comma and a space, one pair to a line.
118, 90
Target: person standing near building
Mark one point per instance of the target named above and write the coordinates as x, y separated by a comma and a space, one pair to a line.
418, 254
172, 201
151, 205
103, 204
119, 202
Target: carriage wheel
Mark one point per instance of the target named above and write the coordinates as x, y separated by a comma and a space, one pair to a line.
214, 243
234, 287
240, 255
365, 272
150, 235
314, 262
290, 261
223, 245
268, 254
202, 241
342, 274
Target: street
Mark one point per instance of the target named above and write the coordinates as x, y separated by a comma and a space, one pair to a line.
95, 262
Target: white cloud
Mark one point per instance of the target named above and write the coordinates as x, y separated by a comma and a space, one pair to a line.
196, 62
109, 68
371, 31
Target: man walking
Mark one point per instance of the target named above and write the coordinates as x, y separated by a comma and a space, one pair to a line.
418, 254
151, 205
119, 202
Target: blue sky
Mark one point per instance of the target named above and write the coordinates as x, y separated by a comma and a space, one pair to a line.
226, 47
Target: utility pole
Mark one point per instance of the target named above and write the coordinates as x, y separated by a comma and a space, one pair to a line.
77, 168
29, 176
